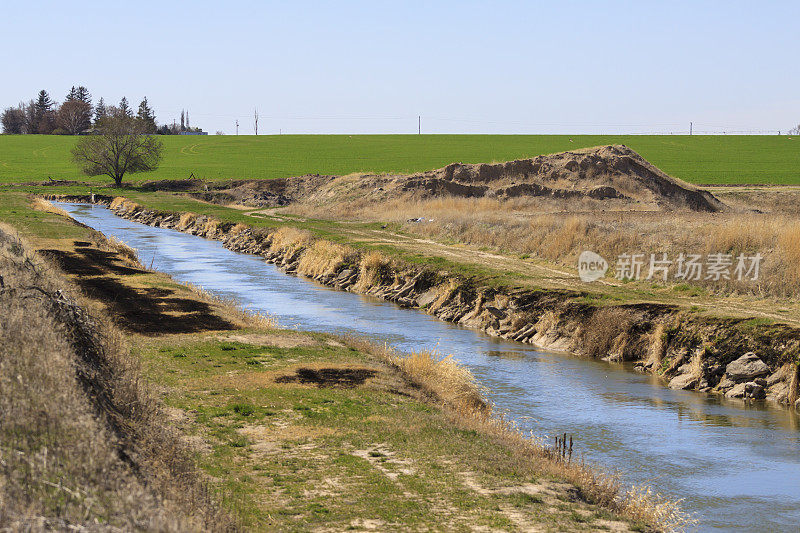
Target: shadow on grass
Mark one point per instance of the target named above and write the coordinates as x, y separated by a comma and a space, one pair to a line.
147, 311
330, 377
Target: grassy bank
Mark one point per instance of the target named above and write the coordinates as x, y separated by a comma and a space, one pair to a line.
292, 431
306, 432
722, 159
83, 441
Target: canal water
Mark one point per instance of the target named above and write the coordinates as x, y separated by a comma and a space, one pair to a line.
736, 466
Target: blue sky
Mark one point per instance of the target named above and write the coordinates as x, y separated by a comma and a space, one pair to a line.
373, 66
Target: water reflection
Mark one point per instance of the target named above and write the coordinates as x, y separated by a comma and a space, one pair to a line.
507, 354
737, 465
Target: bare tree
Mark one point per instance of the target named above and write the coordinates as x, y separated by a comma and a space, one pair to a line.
255, 120
14, 120
120, 148
795, 130
31, 122
74, 117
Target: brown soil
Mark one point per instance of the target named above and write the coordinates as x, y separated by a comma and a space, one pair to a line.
610, 174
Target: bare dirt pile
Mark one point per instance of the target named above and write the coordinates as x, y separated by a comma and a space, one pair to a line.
615, 175
602, 173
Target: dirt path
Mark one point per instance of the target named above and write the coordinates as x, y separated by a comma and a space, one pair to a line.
190, 149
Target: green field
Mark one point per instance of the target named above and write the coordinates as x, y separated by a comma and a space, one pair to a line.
697, 159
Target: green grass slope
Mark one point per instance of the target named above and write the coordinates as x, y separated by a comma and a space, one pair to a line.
697, 159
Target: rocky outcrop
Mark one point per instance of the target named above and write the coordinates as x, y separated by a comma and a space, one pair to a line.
747, 367
733, 357
752, 390
684, 381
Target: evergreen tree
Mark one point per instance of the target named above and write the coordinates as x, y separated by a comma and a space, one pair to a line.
147, 116
124, 108
43, 114
44, 103
100, 112
72, 95
183, 121
82, 94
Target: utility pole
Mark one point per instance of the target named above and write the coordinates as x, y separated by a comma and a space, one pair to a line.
690, 128
237, 126
419, 124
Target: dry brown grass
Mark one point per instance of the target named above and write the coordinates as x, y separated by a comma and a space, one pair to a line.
117, 202
82, 441
128, 254
559, 230
642, 503
325, 258
453, 383
794, 382
186, 220
120, 202
286, 238
696, 363
375, 269
442, 378
40, 204
789, 242
605, 333
456, 389
210, 226
238, 228
657, 345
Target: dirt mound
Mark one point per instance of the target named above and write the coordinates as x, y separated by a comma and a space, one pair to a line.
173, 185
602, 173
610, 174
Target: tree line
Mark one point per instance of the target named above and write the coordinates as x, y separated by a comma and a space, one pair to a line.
78, 116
